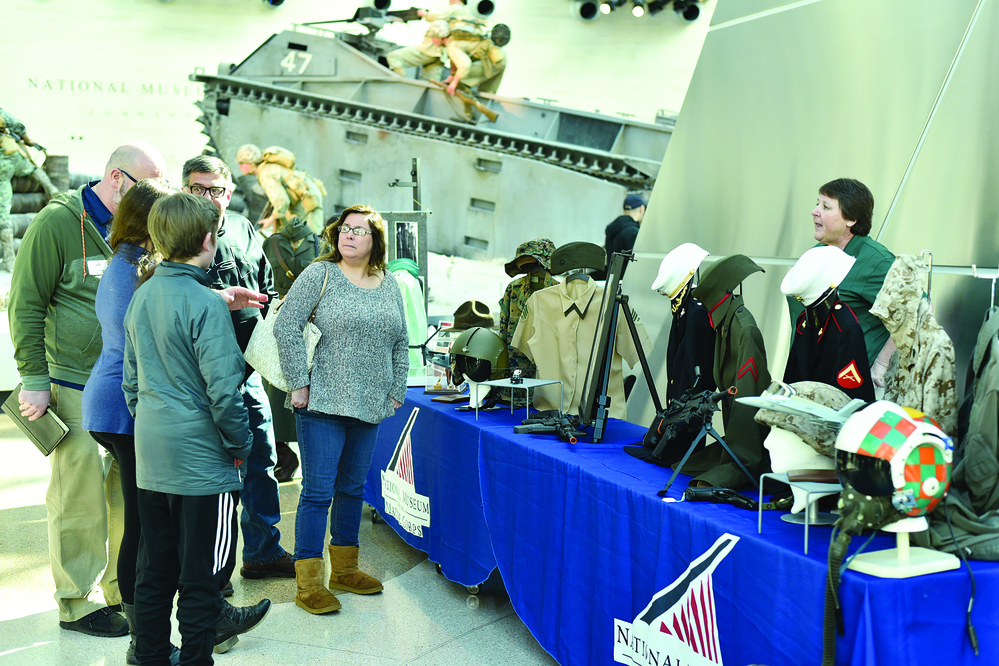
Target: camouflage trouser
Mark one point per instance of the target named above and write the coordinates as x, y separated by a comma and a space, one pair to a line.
410, 56
485, 74
10, 166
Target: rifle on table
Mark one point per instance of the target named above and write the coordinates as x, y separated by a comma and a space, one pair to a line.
693, 413
688, 413
552, 422
484, 110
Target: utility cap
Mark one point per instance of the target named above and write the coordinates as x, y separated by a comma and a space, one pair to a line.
633, 201
404, 264
578, 255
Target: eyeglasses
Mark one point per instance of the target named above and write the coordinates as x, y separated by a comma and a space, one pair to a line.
130, 176
357, 231
216, 192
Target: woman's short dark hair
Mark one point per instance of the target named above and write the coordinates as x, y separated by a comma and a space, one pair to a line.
331, 234
131, 221
856, 203
179, 223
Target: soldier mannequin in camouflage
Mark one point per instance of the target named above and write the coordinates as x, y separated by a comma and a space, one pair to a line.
15, 161
532, 264
427, 54
477, 61
292, 193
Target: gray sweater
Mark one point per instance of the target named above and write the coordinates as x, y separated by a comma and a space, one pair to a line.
362, 358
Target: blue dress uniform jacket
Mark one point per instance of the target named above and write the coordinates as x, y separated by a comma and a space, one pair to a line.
829, 347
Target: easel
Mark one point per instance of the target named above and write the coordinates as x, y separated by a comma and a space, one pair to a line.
620, 298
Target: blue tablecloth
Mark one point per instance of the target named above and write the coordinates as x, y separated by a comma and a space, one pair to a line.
597, 565
584, 545
445, 470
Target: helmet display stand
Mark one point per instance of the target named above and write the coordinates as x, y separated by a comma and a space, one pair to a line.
904, 561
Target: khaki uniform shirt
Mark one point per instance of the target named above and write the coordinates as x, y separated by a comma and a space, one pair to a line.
556, 331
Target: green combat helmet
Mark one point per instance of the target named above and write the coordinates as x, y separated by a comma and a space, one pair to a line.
478, 355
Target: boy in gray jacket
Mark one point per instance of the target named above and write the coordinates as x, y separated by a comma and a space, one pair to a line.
182, 372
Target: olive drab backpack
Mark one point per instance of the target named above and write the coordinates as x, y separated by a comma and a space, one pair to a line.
289, 251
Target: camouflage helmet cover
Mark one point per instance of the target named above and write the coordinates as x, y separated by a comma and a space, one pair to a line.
438, 29
248, 154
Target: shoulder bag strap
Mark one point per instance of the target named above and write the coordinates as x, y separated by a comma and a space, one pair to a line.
321, 292
274, 245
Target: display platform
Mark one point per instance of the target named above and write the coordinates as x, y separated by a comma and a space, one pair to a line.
603, 571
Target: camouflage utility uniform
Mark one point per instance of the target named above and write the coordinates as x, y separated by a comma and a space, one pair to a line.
292, 194
921, 372
427, 54
514, 301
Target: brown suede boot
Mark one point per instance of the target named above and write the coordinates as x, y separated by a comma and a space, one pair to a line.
346, 575
312, 594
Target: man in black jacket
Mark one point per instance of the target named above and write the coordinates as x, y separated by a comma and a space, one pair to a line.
621, 233
239, 261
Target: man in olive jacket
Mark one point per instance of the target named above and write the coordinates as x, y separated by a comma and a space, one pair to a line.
57, 340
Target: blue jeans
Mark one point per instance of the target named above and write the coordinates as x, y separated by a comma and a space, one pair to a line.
259, 497
336, 454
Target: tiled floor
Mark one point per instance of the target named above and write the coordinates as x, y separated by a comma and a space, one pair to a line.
421, 618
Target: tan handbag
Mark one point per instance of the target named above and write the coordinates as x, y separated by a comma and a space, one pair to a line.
262, 350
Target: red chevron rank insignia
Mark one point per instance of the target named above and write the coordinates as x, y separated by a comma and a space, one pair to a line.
849, 377
750, 367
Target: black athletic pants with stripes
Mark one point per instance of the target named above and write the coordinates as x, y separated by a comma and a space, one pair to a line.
188, 545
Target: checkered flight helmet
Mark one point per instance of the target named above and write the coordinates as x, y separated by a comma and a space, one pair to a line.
478, 355
889, 451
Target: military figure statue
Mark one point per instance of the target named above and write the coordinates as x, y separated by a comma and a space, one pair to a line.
291, 193
427, 54
15, 161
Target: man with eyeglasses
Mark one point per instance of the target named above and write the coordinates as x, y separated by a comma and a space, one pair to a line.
57, 339
240, 262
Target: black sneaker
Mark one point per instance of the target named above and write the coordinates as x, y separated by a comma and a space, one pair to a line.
103, 622
234, 621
